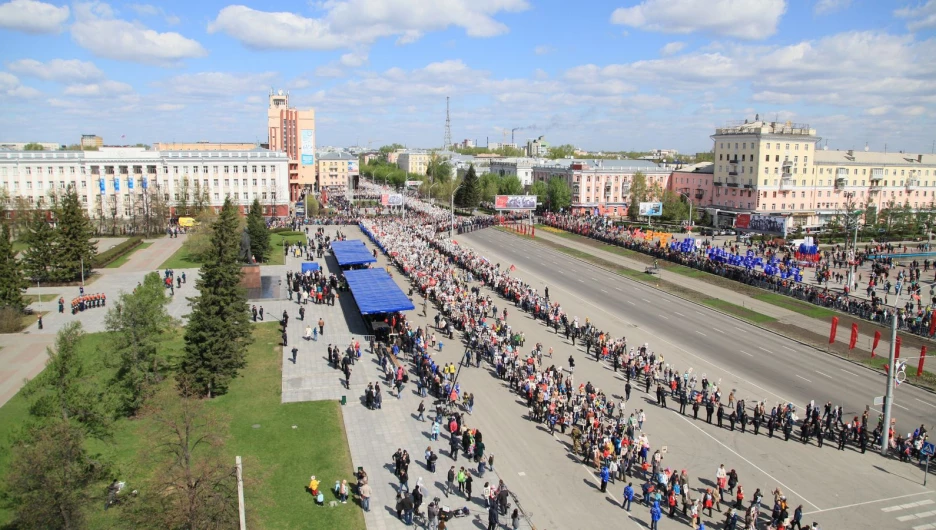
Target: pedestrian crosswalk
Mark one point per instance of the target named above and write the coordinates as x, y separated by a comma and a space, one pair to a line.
923, 511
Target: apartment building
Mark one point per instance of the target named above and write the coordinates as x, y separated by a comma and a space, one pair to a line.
694, 182
520, 167
292, 131
117, 180
91, 140
336, 170
602, 186
413, 162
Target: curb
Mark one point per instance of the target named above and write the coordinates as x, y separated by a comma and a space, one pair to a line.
777, 333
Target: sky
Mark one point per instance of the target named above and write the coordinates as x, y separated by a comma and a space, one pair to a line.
602, 75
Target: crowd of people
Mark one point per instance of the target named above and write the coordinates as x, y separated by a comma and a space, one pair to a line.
83, 301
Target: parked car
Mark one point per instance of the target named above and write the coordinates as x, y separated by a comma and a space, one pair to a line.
708, 232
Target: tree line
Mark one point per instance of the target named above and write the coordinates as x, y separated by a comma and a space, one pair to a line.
54, 477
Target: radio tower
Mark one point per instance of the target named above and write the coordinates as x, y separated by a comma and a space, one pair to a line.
448, 127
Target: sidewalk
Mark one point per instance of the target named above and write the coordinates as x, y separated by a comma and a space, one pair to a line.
373, 435
784, 316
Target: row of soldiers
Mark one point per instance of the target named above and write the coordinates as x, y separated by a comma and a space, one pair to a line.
85, 301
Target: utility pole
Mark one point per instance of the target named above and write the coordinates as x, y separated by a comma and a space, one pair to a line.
448, 126
891, 374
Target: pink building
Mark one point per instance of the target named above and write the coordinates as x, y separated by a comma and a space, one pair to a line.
602, 186
695, 182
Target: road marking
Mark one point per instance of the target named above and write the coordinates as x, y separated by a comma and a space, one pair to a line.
581, 280
739, 329
912, 516
718, 330
746, 353
870, 502
663, 317
604, 290
789, 348
594, 279
619, 289
765, 349
701, 313
824, 375
700, 333
925, 403
555, 263
930, 526
680, 314
631, 303
752, 464
847, 372
900, 406
905, 506
803, 378
645, 300
521, 473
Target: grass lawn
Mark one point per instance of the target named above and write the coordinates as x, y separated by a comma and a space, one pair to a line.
123, 259
278, 458
278, 240
46, 297
798, 306
738, 311
180, 259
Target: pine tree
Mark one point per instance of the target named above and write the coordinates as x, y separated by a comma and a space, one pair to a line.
259, 233
218, 331
39, 255
12, 281
74, 245
469, 194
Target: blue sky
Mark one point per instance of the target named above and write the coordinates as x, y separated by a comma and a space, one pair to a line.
618, 75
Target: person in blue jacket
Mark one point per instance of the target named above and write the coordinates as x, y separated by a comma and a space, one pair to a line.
605, 476
628, 496
655, 514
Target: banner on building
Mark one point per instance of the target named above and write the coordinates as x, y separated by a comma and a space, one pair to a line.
515, 202
764, 224
651, 209
145, 183
307, 146
116, 184
130, 183
352, 166
103, 186
392, 199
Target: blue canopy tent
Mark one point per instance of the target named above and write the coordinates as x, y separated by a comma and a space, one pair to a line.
375, 292
310, 266
352, 252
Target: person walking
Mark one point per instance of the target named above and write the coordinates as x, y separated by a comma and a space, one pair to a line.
321, 325
628, 496
655, 514
449, 481
366, 493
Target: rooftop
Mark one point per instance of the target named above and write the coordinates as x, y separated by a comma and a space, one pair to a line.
878, 158
763, 127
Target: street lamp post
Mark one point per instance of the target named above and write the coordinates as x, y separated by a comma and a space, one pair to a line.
891, 374
689, 200
452, 227
853, 265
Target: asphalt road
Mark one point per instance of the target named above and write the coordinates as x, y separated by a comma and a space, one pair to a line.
841, 489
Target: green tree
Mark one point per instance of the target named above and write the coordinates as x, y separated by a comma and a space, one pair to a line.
33, 146
312, 206
259, 233
218, 331
387, 149
74, 247
490, 186
49, 480
541, 190
508, 151
138, 321
64, 390
674, 207
510, 185
438, 169
561, 151
558, 194
39, 255
469, 194
198, 242
12, 280
638, 195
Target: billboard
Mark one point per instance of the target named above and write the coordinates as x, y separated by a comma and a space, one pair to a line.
764, 224
393, 199
651, 209
352, 166
413, 182
515, 202
307, 146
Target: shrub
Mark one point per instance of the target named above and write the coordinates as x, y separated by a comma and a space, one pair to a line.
107, 257
11, 320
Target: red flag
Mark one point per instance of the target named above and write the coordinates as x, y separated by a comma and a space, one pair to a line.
854, 337
897, 349
922, 358
877, 339
513, 268
834, 328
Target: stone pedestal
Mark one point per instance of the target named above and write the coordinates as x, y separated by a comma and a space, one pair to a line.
250, 277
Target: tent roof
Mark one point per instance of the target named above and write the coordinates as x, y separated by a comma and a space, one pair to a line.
376, 292
352, 252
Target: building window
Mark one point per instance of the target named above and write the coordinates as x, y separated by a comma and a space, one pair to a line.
255, 180
216, 197
226, 169
227, 183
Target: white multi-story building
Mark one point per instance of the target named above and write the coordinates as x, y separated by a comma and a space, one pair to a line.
520, 167
117, 178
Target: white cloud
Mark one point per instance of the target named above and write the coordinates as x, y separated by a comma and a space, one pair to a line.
10, 86
207, 84
30, 16
170, 107
826, 7
350, 23
95, 30
672, 48
920, 17
742, 19
149, 10
329, 70
354, 59
104, 88
60, 70
543, 49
